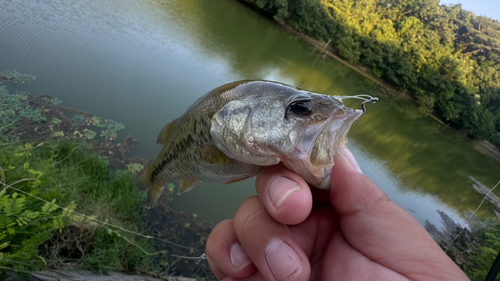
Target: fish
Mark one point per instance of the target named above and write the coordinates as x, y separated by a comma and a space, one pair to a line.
234, 131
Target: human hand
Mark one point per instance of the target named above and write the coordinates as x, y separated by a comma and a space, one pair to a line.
352, 232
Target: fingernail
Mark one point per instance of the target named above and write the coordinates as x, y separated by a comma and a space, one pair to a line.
239, 257
350, 158
280, 189
283, 261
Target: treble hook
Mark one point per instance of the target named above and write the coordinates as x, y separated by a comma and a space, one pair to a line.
372, 100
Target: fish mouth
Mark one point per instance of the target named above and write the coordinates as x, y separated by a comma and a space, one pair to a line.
340, 138
315, 153
330, 143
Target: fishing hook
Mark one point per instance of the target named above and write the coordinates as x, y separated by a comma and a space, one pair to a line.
371, 100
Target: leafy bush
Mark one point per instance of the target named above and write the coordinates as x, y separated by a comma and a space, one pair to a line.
32, 232
480, 262
22, 230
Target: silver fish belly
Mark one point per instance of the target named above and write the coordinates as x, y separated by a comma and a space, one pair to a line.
235, 130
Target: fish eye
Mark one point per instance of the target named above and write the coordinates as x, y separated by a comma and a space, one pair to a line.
301, 107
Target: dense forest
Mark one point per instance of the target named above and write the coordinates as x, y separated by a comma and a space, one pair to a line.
447, 58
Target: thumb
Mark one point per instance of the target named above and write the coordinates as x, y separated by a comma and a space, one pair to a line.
350, 190
382, 231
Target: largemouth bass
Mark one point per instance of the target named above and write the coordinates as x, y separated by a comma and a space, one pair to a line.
235, 130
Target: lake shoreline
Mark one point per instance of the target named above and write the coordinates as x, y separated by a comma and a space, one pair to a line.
43, 139
483, 146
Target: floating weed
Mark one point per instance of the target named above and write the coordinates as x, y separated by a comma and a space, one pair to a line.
55, 121
52, 100
135, 167
15, 77
20, 106
78, 119
15, 107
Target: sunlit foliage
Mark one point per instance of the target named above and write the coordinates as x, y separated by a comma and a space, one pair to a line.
446, 57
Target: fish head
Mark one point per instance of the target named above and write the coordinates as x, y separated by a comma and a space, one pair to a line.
303, 130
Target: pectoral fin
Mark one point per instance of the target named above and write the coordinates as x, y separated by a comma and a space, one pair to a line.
211, 154
186, 186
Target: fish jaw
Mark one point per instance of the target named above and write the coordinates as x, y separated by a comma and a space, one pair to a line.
313, 160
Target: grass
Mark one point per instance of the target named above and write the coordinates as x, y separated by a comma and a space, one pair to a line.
69, 174
58, 155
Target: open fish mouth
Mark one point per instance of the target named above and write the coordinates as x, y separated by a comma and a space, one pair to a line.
319, 145
328, 144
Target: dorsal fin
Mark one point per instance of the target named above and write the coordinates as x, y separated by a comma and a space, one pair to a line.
162, 138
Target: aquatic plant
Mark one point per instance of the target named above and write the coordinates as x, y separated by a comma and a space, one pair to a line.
135, 167
12, 76
78, 119
111, 129
56, 121
21, 112
52, 100
15, 107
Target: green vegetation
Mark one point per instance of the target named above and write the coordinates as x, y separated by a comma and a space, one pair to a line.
35, 234
15, 77
47, 117
67, 199
447, 58
475, 249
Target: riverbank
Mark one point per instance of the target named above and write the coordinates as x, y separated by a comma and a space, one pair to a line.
72, 186
483, 146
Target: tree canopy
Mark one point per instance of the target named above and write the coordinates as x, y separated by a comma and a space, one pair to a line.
446, 57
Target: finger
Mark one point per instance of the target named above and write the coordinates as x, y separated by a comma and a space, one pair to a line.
284, 194
256, 276
350, 158
383, 231
269, 244
226, 256
343, 262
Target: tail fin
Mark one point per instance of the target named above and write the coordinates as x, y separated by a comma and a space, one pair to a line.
154, 190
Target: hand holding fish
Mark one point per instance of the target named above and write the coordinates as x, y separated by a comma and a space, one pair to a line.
350, 232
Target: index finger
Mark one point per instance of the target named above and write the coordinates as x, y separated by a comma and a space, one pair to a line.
284, 194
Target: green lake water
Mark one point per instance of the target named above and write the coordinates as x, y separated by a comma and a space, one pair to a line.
143, 63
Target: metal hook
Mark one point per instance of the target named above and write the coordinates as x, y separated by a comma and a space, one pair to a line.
372, 100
